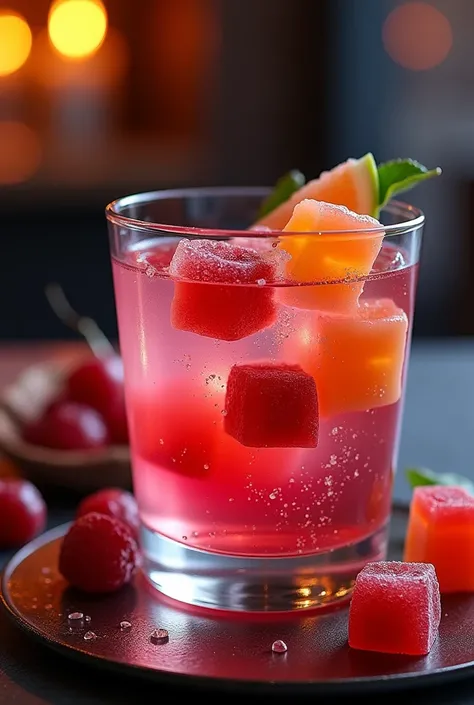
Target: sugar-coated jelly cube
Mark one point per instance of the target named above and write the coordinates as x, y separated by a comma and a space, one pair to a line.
327, 259
271, 405
221, 289
356, 360
441, 532
395, 608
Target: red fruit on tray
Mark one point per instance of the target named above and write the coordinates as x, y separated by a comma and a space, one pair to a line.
68, 426
22, 512
98, 383
271, 405
98, 554
115, 503
215, 301
395, 608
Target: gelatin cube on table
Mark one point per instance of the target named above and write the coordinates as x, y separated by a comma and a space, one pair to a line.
334, 263
224, 294
395, 608
357, 360
271, 405
441, 532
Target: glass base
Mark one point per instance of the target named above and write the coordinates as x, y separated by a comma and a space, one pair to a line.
222, 582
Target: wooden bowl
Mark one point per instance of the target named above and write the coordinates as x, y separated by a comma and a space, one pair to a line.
82, 471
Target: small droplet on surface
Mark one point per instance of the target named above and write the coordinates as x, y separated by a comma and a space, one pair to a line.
279, 647
48, 607
185, 538
90, 635
261, 282
125, 625
159, 636
224, 412
46, 571
75, 616
206, 466
87, 618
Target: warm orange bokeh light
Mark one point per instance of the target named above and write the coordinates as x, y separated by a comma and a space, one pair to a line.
21, 152
77, 28
15, 42
417, 36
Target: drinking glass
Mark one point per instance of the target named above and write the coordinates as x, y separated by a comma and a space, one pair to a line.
264, 413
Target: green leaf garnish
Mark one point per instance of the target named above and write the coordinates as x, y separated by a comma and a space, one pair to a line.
284, 188
423, 476
401, 175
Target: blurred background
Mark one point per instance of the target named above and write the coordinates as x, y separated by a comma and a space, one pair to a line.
102, 99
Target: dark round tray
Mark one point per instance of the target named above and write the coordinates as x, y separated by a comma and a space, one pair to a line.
217, 649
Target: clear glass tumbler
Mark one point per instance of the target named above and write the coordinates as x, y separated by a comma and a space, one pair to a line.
264, 411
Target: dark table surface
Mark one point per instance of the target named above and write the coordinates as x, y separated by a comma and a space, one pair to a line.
438, 432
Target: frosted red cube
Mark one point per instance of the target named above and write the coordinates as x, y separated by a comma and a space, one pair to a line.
221, 288
270, 405
395, 608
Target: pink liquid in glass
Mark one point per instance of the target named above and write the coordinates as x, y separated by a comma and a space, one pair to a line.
198, 485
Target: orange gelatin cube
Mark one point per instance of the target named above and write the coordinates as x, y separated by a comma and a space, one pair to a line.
441, 531
326, 260
356, 360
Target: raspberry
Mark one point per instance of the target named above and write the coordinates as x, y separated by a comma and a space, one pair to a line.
22, 512
115, 503
98, 554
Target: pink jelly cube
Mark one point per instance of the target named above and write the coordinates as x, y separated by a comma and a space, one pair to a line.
270, 405
395, 608
224, 294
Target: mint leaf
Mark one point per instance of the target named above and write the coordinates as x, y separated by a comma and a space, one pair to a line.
401, 175
284, 188
423, 476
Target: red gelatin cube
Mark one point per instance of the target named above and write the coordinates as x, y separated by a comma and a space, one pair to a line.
395, 608
224, 294
271, 405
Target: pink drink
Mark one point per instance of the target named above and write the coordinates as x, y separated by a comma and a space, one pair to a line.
198, 485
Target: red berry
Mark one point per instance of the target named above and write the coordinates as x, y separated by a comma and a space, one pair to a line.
68, 426
115, 503
98, 554
98, 383
22, 512
115, 417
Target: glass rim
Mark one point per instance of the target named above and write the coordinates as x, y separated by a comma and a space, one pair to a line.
411, 217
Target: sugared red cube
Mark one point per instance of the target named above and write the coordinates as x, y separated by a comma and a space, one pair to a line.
271, 405
356, 360
441, 532
395, 608
221, 288
328, 258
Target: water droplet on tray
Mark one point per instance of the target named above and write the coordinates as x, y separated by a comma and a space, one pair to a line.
90, 635
279, 647
75, 616
125, 625
159, 636
87, 618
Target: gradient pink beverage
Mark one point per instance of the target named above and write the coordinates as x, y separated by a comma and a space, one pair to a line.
198, 485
